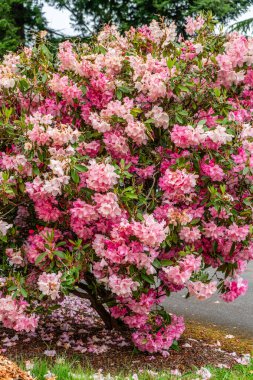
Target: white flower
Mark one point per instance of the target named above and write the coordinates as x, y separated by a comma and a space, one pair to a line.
50, 376
29, 365
50, 353
244, 360
4, 227
204, 373
175, 372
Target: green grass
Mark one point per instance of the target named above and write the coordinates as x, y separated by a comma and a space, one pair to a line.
66, 370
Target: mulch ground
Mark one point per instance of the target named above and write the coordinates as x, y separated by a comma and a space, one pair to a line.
76, 332
10, 371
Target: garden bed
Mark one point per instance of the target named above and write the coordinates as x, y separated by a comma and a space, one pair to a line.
75, 331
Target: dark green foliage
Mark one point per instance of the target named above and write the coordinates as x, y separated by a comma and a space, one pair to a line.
19, 20
87, 15
244, 26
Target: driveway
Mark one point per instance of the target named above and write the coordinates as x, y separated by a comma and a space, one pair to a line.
237, 316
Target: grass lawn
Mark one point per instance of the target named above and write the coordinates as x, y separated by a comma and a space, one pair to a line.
61, 369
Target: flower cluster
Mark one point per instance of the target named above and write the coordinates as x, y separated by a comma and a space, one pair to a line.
126, 171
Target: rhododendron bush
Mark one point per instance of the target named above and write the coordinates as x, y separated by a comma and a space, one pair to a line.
126, 171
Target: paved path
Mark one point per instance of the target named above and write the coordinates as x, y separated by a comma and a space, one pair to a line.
237, 316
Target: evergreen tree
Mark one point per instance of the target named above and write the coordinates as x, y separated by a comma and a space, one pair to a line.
87, 15
19, 20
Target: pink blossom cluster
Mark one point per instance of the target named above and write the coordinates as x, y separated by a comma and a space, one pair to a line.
49, 284
180, 274
13, 315
234, 289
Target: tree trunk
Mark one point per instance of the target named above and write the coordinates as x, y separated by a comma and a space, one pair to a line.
96, 304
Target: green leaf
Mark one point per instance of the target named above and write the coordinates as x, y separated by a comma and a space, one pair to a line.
148, 278
166, 263
118, 94
44, 78
183, 88
81, 168
40, 257
248, 202
60, 254
170, 62
175, 346
23, 85
61, 244
45, 51
11, 288
36, 170
125, 89
135, 111
157, 263
245, 171
149, 121
217, 92
84, 89
75, 176
23, 292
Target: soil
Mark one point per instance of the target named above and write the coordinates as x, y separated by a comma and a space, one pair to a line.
191, 353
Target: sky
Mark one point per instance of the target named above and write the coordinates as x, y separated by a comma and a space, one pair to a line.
60, 20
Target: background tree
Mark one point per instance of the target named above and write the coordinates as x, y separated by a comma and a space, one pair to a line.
92, 14
19, 20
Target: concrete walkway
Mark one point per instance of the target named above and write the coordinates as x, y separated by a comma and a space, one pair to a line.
237, 316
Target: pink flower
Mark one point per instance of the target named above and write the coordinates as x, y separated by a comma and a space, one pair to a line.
136, 321
212, 170
122, 286
211, 230
193, 25
145, 172
150, 232
190, 234
161, 118
137, 132
191, 262
186, 136
15, 256
101, 177
236, 233
49, 284
4, 227
174, 183
107, 205
234, 289
13, 316
202, 291
176, 275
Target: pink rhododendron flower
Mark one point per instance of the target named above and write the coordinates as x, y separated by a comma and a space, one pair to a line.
190, 234
49, 284
122, 286
178, 182
107, 205
15, 256
202, 291
101, 177
12, 315
234, 289
193, 25
150, 232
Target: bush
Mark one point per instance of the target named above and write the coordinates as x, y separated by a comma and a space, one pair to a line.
127, 169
